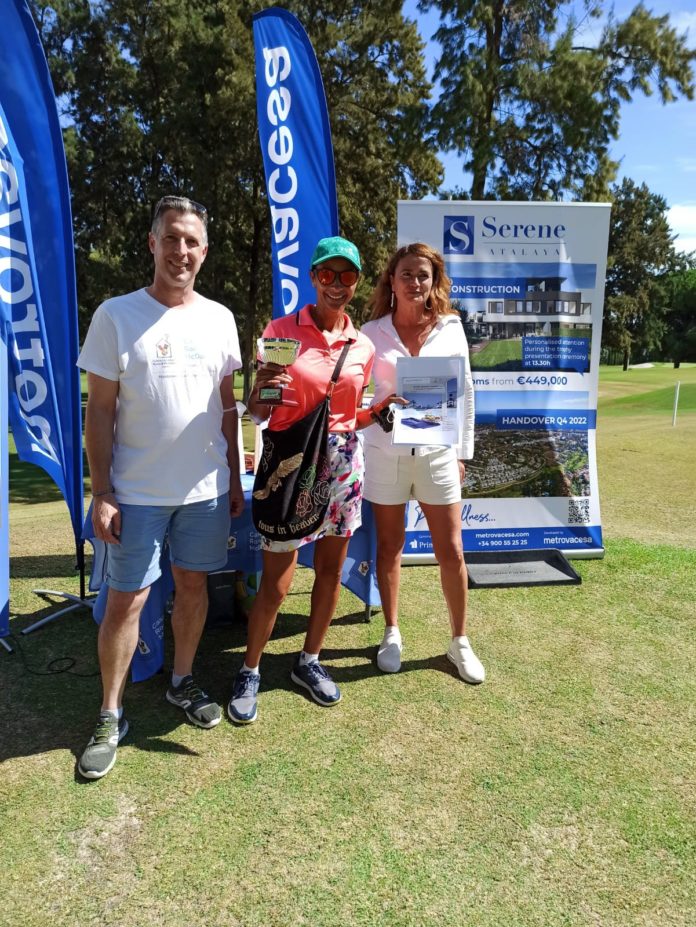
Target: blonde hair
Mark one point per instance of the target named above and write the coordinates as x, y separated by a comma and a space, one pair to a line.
438, 301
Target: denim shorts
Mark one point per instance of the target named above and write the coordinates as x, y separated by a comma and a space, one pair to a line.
196, 534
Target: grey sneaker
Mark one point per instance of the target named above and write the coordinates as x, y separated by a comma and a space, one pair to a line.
100, 753
389, 651
242, 705
200, 709
316, 680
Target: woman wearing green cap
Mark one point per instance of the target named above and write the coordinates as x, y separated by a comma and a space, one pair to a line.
323, 330
412, 316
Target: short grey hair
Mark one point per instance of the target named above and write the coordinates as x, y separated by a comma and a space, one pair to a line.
179, 204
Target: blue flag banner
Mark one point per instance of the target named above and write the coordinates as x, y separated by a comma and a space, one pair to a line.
297, 153
38, 304
4, 535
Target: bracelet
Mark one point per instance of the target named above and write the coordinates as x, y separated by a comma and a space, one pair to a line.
231, 409
363, 418
104, 492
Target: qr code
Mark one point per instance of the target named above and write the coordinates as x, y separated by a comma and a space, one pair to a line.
579, 512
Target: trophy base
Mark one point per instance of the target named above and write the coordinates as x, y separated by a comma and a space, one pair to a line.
271, 395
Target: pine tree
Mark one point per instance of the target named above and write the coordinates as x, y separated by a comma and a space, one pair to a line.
533, 111
680, 338
641, 257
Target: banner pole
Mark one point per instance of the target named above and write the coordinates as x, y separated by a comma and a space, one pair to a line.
4, 504
81, 566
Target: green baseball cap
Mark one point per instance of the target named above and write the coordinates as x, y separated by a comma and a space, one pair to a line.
336, 247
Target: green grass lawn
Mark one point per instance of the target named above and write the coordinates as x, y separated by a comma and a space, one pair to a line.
558, 794
497, 354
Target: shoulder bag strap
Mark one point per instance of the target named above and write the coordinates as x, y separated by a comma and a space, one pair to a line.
339, 364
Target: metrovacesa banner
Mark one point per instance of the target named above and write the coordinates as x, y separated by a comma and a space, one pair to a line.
38, 305
297, 153
528, 281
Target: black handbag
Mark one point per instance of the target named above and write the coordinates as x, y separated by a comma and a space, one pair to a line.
293, 481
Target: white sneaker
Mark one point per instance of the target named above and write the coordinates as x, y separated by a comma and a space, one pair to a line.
389, 651
468, 664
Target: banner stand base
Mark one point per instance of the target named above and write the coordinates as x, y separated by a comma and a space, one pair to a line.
503, 569
369, 611
75, 599
6, 645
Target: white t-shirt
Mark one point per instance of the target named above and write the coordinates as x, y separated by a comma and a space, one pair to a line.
169, 448
447, 339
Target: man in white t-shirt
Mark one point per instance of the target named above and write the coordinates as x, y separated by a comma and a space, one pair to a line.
161, 439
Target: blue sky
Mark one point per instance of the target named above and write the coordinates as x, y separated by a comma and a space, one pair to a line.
657, 144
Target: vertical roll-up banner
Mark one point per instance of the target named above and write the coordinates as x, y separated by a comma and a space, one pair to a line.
38, 303
528, 280
297, 153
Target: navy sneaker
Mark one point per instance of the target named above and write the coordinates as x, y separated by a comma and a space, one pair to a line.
200, 709
316, 680
242, 705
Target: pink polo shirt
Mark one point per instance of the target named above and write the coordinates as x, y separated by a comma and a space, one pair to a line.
312, 371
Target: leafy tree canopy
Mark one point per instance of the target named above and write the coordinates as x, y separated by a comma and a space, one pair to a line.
531, 108
159, 97
680, 336
641, 257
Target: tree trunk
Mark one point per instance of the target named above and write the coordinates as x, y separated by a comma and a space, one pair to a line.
481, 149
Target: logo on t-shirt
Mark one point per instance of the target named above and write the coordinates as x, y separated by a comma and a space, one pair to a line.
164, 347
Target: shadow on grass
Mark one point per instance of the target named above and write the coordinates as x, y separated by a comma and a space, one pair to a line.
52, 688
368, 669
276, 667
352, 618
30, 484
52, 692
56, 565
147, 729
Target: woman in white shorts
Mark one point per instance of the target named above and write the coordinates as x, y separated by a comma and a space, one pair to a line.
412, 316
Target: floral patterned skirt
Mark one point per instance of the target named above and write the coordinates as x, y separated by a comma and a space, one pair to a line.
343, 514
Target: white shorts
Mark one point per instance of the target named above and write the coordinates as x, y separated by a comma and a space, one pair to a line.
391, 479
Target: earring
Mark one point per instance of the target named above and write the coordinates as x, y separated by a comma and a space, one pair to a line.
391, 301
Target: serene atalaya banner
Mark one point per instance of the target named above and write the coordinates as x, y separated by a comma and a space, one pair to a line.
297, 153
528, 279
38, 306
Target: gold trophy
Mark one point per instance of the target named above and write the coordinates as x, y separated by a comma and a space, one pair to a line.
281, 351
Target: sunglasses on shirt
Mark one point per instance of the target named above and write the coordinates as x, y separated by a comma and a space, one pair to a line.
326, 276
